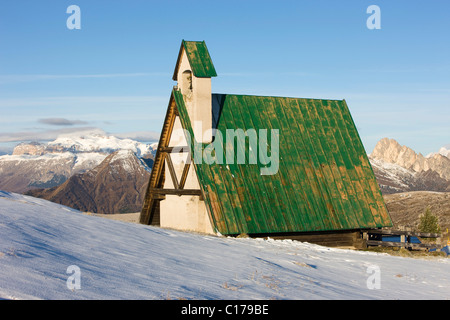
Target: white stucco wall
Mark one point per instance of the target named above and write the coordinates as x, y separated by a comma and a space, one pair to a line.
188, 212
183, 212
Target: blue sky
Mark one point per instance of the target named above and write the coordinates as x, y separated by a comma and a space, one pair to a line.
115, 72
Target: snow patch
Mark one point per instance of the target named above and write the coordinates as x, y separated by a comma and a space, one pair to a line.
39, 240
99, 142
393, 171
444, 151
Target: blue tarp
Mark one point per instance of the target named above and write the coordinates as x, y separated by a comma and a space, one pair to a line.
445, 249
397, 239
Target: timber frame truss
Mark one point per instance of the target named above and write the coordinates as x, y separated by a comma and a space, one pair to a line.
156, 192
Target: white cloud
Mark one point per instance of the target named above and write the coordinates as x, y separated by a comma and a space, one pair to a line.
139, 135
42, 135
49, 135
61, 122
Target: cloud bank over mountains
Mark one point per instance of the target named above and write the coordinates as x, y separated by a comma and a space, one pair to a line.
9, 139
61, 122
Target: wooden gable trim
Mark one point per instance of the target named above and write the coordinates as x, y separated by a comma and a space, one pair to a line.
155, 191
156, 176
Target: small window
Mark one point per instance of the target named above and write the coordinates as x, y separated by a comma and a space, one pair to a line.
186, 82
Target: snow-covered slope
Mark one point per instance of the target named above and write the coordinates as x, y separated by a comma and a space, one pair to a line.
391, 176
40, 240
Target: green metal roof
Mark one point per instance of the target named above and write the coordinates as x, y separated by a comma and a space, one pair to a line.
199, 59
325, 181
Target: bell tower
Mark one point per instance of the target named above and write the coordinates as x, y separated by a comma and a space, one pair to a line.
193, 73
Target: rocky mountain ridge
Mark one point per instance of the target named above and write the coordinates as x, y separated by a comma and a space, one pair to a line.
399, 168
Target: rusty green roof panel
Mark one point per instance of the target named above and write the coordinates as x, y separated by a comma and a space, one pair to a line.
324, 180
199, 59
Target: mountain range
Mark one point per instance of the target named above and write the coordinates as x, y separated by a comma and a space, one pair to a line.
45, 165
104, 174
88, 171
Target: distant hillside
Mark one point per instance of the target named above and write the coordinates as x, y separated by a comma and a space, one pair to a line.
116, 185
406, 207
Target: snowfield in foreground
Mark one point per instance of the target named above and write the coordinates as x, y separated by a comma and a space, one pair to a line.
40, 240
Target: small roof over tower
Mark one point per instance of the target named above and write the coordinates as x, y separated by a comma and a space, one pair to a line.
199, 59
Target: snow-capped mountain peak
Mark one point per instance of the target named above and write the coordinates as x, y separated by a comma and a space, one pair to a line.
445, 151
97, 141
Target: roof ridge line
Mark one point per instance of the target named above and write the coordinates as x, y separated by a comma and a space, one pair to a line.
267, 96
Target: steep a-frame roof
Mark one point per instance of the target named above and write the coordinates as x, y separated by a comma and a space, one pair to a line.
199, 59
324, 182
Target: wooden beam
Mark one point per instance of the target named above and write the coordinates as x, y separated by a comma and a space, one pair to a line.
404, 233
184, 175
178, 192
182, 149
403, 244
158, 196
173, 175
